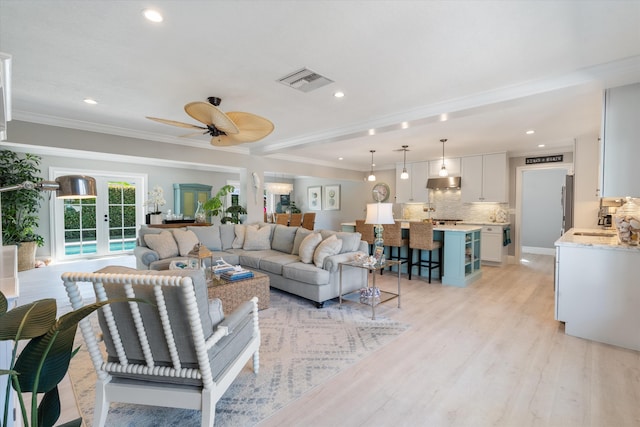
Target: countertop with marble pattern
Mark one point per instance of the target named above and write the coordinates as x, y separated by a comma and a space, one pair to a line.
485, 223
440, 227
594, 237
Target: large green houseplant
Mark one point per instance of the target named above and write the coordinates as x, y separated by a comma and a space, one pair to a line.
217, 206
44, 361
20, 208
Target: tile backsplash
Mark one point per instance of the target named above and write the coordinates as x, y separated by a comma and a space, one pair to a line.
448, 205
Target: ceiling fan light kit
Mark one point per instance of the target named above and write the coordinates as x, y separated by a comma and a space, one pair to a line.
225, 129
443, 169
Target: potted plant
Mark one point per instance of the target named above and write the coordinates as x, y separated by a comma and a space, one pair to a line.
155, 200
235, 211
44, 361
216, 205
20, 208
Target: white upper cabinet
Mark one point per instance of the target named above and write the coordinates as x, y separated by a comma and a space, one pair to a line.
621, 142
413, 189
484, 178
452, 165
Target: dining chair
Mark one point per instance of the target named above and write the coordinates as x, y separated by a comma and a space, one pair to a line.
309, 220
282, 219
295, 220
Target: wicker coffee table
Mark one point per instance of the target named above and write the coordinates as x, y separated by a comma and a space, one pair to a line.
232, 294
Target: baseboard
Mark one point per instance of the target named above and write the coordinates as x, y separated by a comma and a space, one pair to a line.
538, 251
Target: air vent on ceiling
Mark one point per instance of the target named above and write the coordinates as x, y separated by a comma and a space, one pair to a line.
305, 80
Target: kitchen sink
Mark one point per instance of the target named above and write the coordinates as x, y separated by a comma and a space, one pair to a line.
595, 233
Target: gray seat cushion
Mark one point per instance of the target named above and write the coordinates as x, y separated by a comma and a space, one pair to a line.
274, 264
306, 273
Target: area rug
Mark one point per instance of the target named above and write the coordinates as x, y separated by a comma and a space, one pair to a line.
302, 347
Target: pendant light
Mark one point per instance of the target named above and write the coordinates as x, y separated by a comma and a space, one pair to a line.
371, 176
404, 174
443, 169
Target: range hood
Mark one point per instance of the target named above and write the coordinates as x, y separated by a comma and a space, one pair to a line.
444, 183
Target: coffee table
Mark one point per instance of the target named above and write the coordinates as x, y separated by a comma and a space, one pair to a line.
232, 294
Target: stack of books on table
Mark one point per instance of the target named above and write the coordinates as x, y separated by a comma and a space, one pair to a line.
236, 275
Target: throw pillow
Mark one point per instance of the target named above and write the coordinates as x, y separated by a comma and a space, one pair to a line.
257, 239
208, 236
329, 246
144, 230
240, 231
308, 247
227, 235
350, 241
301, 233
163, 243
186, 240
283, 238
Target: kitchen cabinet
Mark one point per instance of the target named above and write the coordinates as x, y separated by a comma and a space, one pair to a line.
453, 167
187, 196
462, 249
413, 189
484, 178
492, 248
620, 149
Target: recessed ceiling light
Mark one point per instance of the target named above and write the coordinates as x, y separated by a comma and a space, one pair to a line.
443, 117
372, 132
152, 15
404, 125
540, 145
340, 158
530, 132
90, 101
339, 94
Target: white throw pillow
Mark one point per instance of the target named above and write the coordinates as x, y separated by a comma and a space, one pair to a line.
257, 239
329, 246
240, 230
186, 240
163, 243
308, 247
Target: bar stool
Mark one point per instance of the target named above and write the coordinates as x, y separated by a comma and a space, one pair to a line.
393, 239
421, 238
366, 231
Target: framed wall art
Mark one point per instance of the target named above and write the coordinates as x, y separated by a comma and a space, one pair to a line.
331, 197
314, 195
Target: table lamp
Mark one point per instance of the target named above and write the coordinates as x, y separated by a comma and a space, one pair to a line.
379, 214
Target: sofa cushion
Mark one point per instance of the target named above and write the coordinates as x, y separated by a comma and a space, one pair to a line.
163, 243
329, 246
308, 247
147, 230
208, 236
283, 238
301, 233
274, 264
257, 239
240, 231
306, 273
350, 241
186, 240
252, 259
327, 233
227, 235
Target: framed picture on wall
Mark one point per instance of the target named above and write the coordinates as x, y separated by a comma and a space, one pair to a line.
314, 195
331, 197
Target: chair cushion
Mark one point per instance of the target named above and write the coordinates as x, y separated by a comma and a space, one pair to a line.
301, 233
283, 238
208, 236
308, 247
186, 240
163, 243
257, 239
329, 246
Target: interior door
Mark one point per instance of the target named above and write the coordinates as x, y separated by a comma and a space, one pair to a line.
102, 226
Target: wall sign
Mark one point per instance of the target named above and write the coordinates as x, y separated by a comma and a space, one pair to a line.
544, 159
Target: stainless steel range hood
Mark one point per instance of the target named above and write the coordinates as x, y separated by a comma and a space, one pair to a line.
444, 183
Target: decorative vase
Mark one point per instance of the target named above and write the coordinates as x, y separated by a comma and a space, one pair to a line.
27, 255
155, 219
199, 215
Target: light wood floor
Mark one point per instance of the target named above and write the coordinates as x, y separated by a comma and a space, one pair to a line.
486, 355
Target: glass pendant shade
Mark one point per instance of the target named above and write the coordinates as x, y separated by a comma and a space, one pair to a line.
443, 169
371, 176
404, 174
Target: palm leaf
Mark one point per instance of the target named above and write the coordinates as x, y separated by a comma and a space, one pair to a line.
29, 320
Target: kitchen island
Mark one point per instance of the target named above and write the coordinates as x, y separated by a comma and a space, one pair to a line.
597, 294
461, 245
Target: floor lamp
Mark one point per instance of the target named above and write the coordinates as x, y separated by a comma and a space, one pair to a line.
379, 214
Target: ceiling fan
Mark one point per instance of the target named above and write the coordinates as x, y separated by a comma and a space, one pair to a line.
225, 128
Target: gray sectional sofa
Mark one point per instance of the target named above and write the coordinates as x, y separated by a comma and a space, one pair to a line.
297, 260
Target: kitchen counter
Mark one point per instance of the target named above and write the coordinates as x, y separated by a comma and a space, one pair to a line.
440, 227
499, 224
594, 237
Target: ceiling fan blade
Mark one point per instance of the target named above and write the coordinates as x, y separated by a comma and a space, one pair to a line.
193, 134
251, 127
174, 123
211, 115
224, 141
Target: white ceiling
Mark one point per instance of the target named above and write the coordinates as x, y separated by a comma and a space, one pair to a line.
495, 68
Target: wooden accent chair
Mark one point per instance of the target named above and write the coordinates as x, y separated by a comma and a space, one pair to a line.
366, 230
295, 220
174, 352
309, 220
392, 235
421, 238
282, 219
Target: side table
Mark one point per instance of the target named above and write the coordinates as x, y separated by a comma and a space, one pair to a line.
384, 295
232, 294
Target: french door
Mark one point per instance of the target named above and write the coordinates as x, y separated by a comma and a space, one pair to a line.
102, 226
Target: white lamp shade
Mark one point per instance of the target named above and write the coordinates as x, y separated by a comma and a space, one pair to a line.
379, 213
